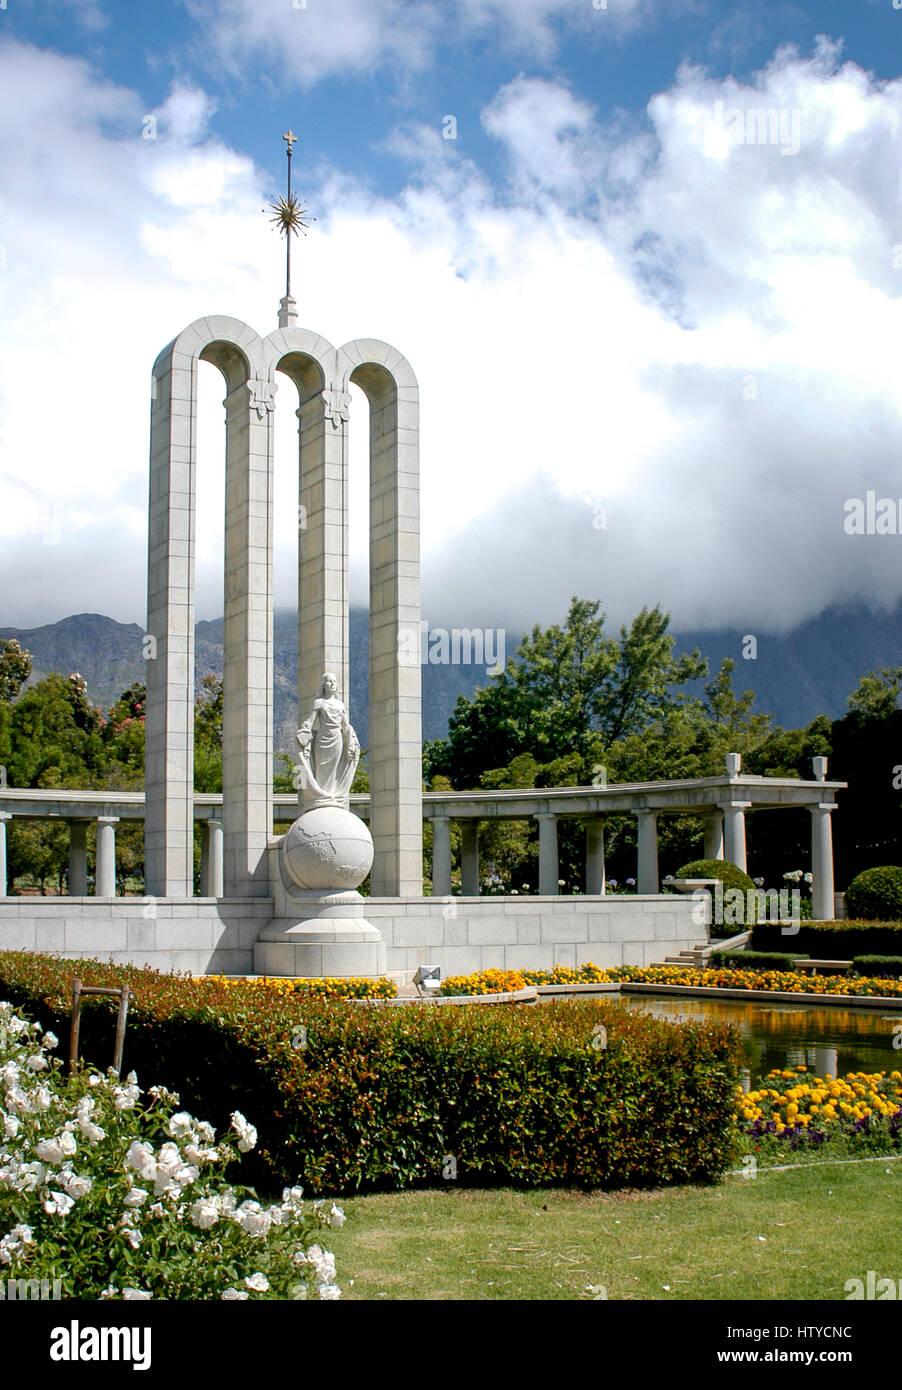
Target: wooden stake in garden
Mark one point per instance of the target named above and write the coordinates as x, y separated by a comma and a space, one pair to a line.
78, 991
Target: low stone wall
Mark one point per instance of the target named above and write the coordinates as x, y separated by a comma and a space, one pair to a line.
202, 935
206, 936
466, 934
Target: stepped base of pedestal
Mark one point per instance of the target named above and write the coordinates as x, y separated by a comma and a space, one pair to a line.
324, 939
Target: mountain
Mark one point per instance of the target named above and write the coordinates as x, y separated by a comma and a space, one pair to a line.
809, 670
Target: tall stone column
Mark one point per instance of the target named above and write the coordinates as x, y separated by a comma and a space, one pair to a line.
4, 885
105, 866
211, 878
469, 858
548, 854
822, 902
734, 832
714, 835
595, 876
441, 856
647, 880
323, 636
396, 753
247, 641
78, 858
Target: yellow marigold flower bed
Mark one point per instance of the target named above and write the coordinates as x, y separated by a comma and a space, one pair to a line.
484, 982
789, 1100
787, 981
329, 987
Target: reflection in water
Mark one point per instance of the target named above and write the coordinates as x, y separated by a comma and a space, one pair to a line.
828, 1041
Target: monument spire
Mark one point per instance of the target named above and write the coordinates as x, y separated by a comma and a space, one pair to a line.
290, 216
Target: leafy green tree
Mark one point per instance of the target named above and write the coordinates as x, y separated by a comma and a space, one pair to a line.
208, 736
15, 668
877, 693
54, 736
569, 692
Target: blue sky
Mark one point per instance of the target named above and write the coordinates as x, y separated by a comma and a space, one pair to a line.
657, 352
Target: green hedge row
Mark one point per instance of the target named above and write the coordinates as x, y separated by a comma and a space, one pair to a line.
756, 960
375, 1097
839, 940
878, 965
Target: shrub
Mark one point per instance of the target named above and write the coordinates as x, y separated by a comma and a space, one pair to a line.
365, 1097
755, 960
839, 940
731, 876
876, 894
878, 965
115, 1193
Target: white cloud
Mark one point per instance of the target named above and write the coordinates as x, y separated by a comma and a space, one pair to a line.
306, 41
699, 334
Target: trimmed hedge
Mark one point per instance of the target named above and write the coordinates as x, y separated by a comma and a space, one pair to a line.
876, 894
831, 940
755, 960
878, 965
731, 876
375, 1098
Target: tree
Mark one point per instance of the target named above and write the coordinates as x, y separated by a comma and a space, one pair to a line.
877, 693
208, 736
568, 693
15, 668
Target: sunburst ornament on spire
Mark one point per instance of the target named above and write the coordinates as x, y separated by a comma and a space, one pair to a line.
290, 216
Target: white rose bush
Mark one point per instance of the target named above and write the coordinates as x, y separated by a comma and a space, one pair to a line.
118, 1194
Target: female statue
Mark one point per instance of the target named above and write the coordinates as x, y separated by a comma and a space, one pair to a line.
329, 748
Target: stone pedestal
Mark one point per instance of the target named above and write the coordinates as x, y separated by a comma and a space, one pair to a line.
319, 928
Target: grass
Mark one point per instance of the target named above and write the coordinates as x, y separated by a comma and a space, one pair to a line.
790, 1235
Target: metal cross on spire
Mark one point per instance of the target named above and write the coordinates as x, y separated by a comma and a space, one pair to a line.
290, 216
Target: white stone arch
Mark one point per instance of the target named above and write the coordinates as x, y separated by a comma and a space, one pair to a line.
237, 350
322, 375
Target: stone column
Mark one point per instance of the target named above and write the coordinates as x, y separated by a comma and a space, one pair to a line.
105, 865
78, 859
647, 880
734, 832
247, 642
169, 646
323, 638
822, 903
469, 858
211, 879
548, 854
714, 835
396, 754
4, 886
595, 877
441, 856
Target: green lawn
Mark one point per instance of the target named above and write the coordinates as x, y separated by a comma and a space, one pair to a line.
797, 1234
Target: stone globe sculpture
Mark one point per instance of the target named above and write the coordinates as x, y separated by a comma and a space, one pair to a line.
328, 849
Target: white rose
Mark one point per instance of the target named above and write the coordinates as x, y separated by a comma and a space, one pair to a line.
68, 1144
136, 1295
337, 1216
141, 1158
49, 1151
37, 1062
204, 1214
233, 1294
258, 1282
180, 1125
136, 1197
58, 1204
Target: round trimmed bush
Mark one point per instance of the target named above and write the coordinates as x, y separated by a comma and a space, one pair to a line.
731, 876
876, 894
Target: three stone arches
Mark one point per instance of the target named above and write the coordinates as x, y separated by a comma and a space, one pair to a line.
322, 376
